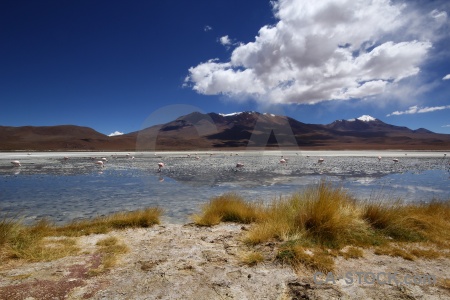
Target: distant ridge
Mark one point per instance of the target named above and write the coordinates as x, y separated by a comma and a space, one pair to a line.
240, 130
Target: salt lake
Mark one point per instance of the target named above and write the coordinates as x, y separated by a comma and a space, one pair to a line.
47, 185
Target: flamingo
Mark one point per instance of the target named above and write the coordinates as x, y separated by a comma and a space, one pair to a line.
379, 158
160, 166
239, 165
104, 159
99, 163
321, 160
16, 163
282, 161
395, 160
197, 157
66, 157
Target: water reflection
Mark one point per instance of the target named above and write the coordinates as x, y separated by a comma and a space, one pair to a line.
66, 189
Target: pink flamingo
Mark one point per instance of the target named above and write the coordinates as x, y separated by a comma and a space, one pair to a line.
16, 163
282, 161
99, 163
239, 165
321, 160
160, 166
379, 158
395, 160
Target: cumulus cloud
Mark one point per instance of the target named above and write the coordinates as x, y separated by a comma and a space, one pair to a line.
446, 77
115, 133
225, 40
207, 28
323, 50
418, 110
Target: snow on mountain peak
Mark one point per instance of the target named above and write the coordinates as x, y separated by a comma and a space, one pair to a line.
238, 113
232, 114
366, 118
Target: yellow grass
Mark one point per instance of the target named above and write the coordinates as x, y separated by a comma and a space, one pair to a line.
445, 283
315, 259
252, 258
352, 252
110, 250
228, 208
133, 219
37, 243
322, 215
394, 252
325, 217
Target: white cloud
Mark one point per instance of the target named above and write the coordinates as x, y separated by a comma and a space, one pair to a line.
323, 50
446, 126
418, 110
446, 77
115, 133
207, 28
225, 40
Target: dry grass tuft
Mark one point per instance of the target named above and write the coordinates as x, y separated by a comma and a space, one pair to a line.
110, 250
253, 258
228, 208
352, 252
34, 243
394, 252
316, 259
425, 253
411, 222
133, 219
445, 283
324, 217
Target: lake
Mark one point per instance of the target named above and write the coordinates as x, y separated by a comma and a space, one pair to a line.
47, 185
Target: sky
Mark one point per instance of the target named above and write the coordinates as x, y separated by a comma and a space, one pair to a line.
119, 66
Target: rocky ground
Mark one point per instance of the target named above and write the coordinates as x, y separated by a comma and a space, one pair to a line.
174, 261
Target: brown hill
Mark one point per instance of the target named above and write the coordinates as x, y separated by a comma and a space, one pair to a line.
238, 131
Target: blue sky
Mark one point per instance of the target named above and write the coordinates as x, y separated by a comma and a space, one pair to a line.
116, 65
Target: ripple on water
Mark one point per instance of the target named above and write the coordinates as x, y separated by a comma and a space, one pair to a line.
46, 186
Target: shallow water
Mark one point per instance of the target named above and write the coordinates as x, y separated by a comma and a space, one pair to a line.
47, 185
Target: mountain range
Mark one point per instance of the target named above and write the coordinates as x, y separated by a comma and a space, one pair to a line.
241, 130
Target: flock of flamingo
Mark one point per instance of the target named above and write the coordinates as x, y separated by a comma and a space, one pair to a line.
101, 162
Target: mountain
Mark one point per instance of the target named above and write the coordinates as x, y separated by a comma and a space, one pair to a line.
62, 137
240, 130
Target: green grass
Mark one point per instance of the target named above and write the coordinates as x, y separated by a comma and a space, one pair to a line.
37, 242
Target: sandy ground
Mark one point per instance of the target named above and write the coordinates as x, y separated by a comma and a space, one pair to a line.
174, 261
